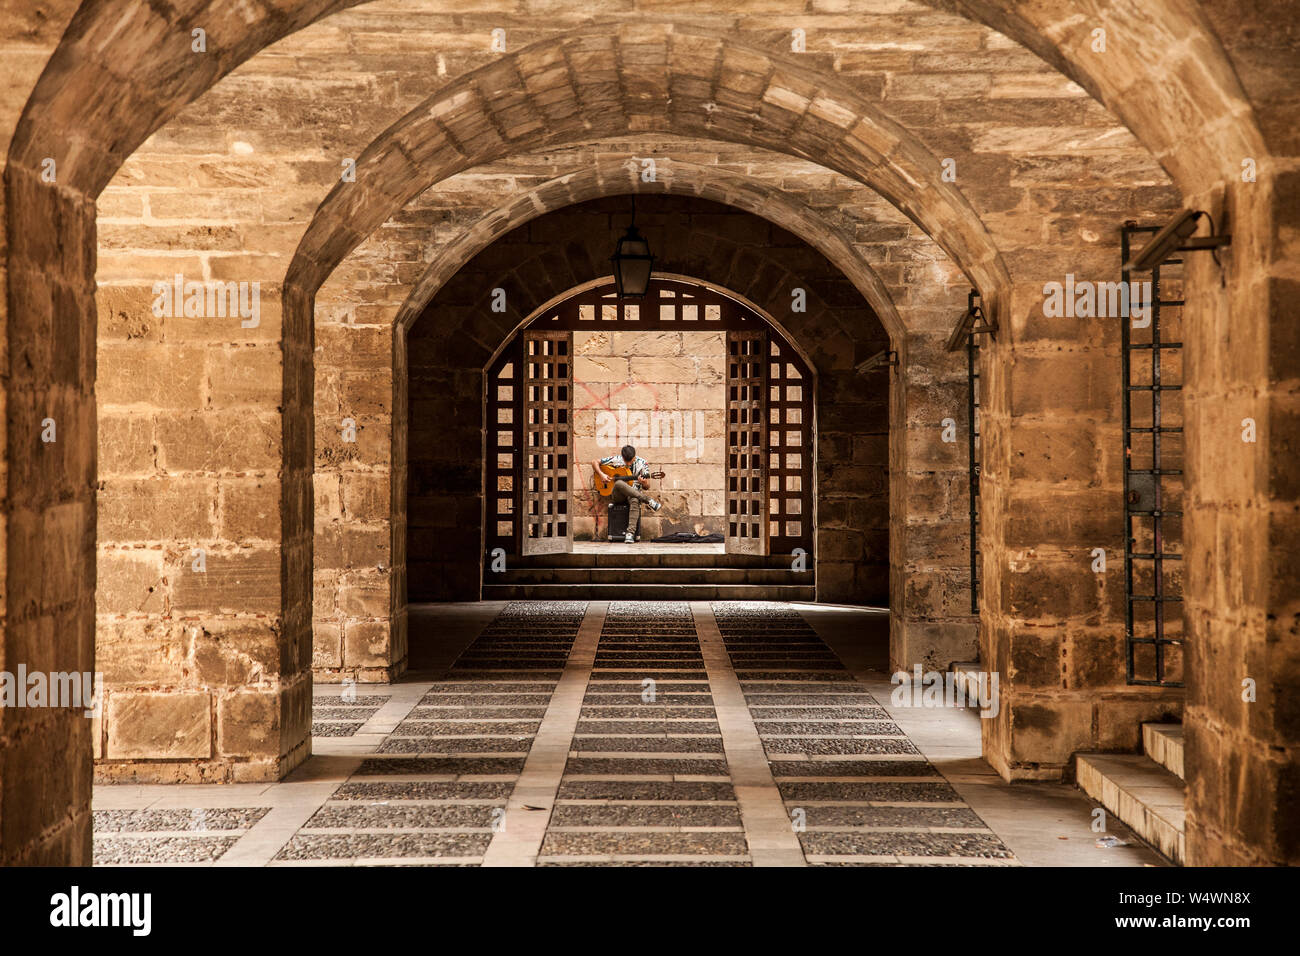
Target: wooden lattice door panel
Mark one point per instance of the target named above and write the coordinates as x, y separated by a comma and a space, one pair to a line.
746, 441
547, 440
504, 441
789, 450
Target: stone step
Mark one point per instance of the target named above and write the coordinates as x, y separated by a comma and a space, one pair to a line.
653, 575
1143, 794
643, 556
649, 592
1163, 743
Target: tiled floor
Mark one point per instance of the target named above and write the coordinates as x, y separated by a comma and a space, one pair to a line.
625, 734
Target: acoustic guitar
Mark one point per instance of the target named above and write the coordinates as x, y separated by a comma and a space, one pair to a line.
606, 485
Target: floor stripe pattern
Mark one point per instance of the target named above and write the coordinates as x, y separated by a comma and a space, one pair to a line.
344, 716
181, 836
622, 734
437, 789
646, 783
857, 791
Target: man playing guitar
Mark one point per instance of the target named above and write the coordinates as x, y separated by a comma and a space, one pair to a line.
623, 476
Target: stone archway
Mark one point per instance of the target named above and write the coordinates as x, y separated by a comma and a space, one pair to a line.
927, 625
835, 336
766, 401
50, 495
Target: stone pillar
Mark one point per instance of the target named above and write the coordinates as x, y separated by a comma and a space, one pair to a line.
355, 629
1243, 529
852, 502
48, 517
1052, 628
931, 623
204, 549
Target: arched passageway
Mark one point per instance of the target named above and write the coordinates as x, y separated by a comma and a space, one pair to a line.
814, 307
535, 470
1214, 112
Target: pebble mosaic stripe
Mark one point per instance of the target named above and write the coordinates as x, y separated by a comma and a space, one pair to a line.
857, 791
438, 786
646, 783
172, 836
333, 715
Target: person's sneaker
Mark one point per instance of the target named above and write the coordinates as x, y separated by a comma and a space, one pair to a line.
629, 538
654, 505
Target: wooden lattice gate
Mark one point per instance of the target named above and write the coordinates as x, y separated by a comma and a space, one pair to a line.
746, 438
547, 440
789, 450
769, 426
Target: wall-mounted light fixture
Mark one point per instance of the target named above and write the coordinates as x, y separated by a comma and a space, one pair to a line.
1176, 237
972, 322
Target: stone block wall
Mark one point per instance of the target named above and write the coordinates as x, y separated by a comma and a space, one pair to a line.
198, 517
664, 393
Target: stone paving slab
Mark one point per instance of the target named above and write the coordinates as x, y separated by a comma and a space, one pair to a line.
852, 768
663, 698
660, 743
426, 727
644, 790
430, 765
320, 711
632, 765
769, 712
331, 697
783, 728
655, 861
197, 819
613, 680
838, 745
336, 728
595, 727
825, 816
468, 745
484, 700
815, 694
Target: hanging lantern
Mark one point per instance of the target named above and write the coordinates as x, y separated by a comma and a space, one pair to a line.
632, 263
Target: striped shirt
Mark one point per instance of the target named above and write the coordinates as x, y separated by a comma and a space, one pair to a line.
639, 468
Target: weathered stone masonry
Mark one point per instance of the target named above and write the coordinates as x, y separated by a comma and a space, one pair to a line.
1045, 172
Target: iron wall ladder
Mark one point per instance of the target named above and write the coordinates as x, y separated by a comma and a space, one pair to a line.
1148, 491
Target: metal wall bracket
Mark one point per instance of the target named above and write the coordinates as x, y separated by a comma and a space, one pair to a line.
880, 360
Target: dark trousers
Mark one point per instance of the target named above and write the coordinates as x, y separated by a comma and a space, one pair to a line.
624, 491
